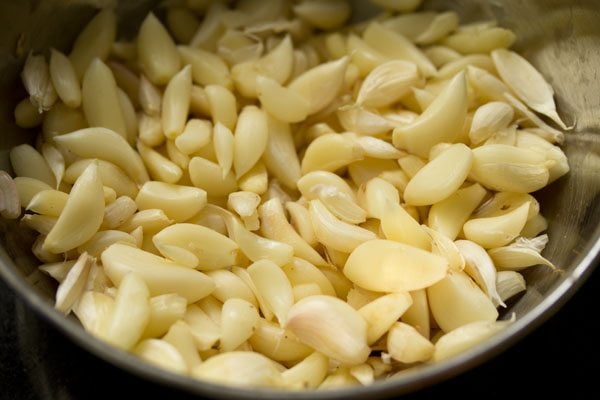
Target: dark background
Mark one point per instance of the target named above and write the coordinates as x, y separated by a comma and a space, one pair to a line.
37, 362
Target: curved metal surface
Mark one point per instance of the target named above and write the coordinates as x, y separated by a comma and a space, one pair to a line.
561, 37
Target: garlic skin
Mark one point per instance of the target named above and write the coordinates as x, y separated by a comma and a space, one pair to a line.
330, 326
509, 284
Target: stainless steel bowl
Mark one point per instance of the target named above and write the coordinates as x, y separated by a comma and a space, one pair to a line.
560, 37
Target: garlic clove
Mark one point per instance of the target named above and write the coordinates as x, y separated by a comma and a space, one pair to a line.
72, 287
383, 312
407, 345
388, 83
509, 284
480, 267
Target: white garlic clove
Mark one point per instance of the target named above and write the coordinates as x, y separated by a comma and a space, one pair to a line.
480, 267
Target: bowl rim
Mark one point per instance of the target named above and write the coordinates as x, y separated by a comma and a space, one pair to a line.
408, 381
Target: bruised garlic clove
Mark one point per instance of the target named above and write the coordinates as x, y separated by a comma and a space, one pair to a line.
489, 119
456, 301
86, 200
465, 337
71, 288
490, 232
407, 345
441, 122
212, 249
160, 275
331, 327
381, 313
274, 287
394, 267
441, 177
240, 369
320, 85
480, 267
527, 83
396, 46
388, 83
274, 225
335, 233
107, 145
331, 152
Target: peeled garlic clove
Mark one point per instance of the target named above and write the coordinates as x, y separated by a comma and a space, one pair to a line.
94, 310
363, 373
283, 103
280, 155
481, 40
320, 85
207, 68
509, 169
328, 14
466, 337
39, 223
456, 301
239, 320
489, 119
274, 287
312, 180
509, 284
386, 266
111, 175
417, 315
331, 152
55, 161
445, 247
480, 267
339, 203
375, 195
178, 202
10, 206
301, 272
441, 122
274, 225
530, 140
516, 257
117, 212
440, 177
362, 121
407, 345
388, 83
527, 83
107, 145
157, 51
243, 203
383, 312
440, 27
377, 148
365, 57
205, 331
335, 233
308, 373
486, 86
396, 46
208, 176
398, 225
160, 275
399, 5
180, 336
497, 231
250, 139
162, 354
86, 200
504, 202
71, 288
241, 369
331, 327
28, 162
277, 343
104, 239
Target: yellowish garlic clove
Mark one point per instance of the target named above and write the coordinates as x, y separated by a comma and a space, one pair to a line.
335, 233
375, 195
528, 140
55, 161
441, 122
557, 135
239, 320
490, 232
320, 85
117, 212
160, 275
283, 103
86, 199
394, 267
111, 175
456, 159
376, 148
521, 254
250, 139
388, 83
178, 202
509, 284
407, 345
38, 83
489, 119
456, 301
230, 286
363, 373
161, 354
176, 103
331, 327
417, 315
360, 120
103, 240
40, 223
308, 373
207, 34
481, 40
94, 310
157, 51
301, 272
480, 267
48, 202
504, 202
466, 337
398, 225
274, 287
280, 155
441, 25
241, 369
257, 181
28, 162
165, 310
445, 247
394, 45
180, 336
383, 312
527, 83
151, 220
